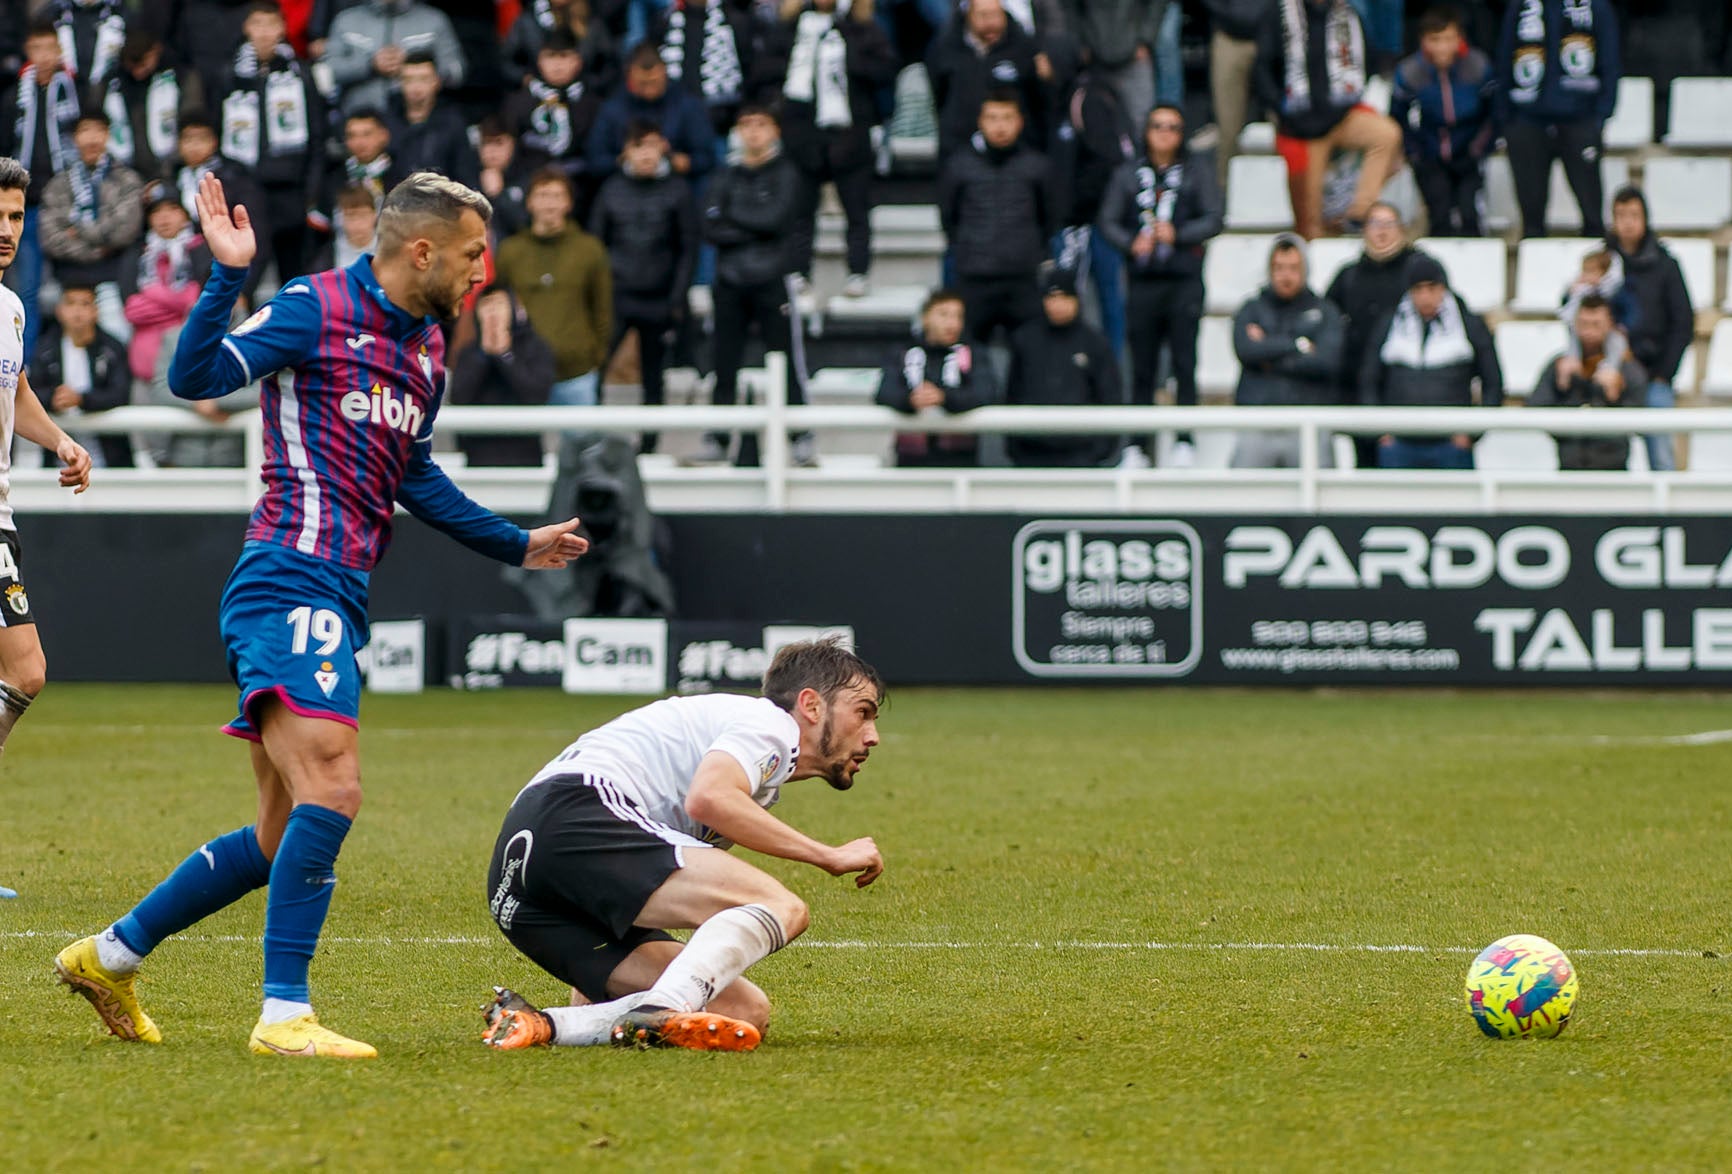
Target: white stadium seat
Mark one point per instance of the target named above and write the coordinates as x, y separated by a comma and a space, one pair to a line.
1717, 383
1563, 214
1685, 382
1217, 365
1501, 210
1377, 91
1631, 125
1711, 452
1328, 256
1478, 269
1696, 258
1523, 349
1690, 194
1544, 270
1235, 266
1516, 450
1257, 193
1258, 138
1699, 112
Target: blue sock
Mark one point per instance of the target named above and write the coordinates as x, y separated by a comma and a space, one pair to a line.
302, 877
213, 878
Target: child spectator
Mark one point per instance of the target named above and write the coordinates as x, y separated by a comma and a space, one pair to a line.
91, 216
645, 217
161, 282
539, 20
1444, 99
357, 218
91, 33
938, 374
196, 148
553, 113
504, 177
274, 125
144, 99
1602, 275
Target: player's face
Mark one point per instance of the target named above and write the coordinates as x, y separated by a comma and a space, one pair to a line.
848, 733
11, 225
457, 266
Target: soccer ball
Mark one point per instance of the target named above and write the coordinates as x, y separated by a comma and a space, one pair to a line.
1521, 987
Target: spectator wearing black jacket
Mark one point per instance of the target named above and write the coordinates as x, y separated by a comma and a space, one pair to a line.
1288, 341
428, 134
274, 125
204, 35
586, 27
998, 205
94, 31
504, 177
145, 98
1558, 68
553, 113
1664, 321
981, 50
709, 49
370, 163
195, 157
1364, 291
645, 217
830, 62
648, 96
506, 366
1059, 359
746, 214
1589, 379
1159, 211
1310, 74
77, 366
1427, 353
37, 115
937, 374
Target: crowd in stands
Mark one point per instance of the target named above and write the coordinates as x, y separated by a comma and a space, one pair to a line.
634, 149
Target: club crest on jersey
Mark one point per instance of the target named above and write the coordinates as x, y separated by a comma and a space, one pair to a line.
426, 364
384, 406
326, 678
251, 324
17, 600
18, 326
767, 768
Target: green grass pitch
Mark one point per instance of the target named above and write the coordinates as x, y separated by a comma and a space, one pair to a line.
1119, 930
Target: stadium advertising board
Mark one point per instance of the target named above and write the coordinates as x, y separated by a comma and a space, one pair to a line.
1317, 600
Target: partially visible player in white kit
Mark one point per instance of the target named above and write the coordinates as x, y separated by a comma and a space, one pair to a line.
23, 669
623, 837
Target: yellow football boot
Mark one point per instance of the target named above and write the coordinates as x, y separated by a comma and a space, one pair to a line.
80, 967
303, 1036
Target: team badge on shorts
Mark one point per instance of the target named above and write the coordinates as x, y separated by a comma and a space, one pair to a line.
326, 678
17, 600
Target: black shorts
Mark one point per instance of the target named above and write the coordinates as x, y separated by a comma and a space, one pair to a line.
14, 600
574, 866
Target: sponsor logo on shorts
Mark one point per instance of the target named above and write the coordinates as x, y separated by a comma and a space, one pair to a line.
504, 906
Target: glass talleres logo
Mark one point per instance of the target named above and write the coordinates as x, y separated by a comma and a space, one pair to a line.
1107, 598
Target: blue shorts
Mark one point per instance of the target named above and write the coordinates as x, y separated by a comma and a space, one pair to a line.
292, 625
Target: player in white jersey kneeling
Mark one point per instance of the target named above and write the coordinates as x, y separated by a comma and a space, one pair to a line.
614, 843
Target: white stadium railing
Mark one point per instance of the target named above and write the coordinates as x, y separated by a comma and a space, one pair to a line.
778, 485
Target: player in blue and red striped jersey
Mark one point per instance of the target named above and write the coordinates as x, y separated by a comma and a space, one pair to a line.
345, 442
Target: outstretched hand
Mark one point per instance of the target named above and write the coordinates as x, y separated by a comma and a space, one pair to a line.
553, 547
229, 234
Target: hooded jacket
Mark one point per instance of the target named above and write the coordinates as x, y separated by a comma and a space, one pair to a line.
360, 32
1069, 365
1664, 322
746, 216
519, 377
1276, 370
1196, 216
998, 208
649, 226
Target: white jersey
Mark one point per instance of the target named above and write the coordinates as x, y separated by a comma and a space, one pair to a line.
650, 755
11, 367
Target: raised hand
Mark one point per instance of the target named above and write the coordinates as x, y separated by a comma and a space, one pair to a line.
229, 234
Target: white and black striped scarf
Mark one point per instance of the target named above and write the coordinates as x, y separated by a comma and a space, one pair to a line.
178, 251
110, 36
1579, 64
87, 187
818, 68
550, 122
245, 124
1412, 342
369, 175
719, 75
161, 117
62, 111
186, 184
1343, 54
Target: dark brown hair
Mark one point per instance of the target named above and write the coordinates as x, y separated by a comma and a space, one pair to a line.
827, 666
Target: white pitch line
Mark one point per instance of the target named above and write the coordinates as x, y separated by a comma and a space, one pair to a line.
1700, 738
864, 944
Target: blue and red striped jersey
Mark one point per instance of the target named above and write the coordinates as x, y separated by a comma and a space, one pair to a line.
349, 432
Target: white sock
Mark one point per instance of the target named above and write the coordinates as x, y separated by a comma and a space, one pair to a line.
591, 1023
283, 1010
115, 955
720, 951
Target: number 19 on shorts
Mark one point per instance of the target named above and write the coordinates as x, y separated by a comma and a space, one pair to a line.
321, 626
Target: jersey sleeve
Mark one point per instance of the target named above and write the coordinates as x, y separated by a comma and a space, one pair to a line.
211, 360
765, 750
